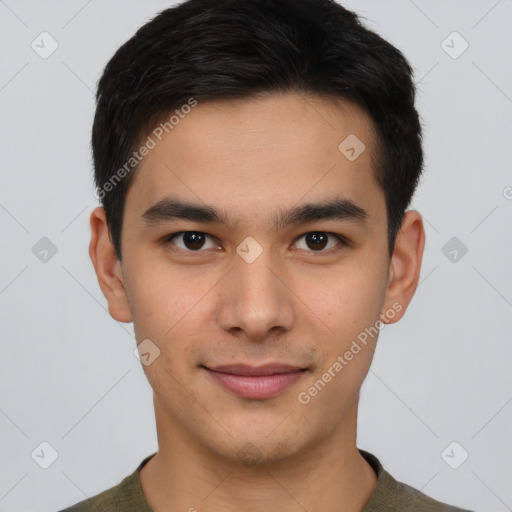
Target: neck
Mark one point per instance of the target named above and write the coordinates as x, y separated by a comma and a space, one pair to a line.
331, 476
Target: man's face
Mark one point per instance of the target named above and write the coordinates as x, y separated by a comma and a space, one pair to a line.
204, 300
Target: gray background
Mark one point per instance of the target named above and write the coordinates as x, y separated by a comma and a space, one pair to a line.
67, 369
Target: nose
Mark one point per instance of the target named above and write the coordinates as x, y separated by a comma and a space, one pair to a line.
255, 301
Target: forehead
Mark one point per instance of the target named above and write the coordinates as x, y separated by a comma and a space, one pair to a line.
262, 153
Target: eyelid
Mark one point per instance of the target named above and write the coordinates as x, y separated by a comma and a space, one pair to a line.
344, 242
167, 239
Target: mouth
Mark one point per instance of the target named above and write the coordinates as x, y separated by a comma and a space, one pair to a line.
255, 382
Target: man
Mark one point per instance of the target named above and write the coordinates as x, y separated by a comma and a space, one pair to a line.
254, 161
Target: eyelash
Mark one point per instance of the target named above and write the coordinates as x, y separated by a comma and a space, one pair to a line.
344, 242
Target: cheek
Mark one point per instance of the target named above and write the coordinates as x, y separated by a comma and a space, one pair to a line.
160, 302
167, 309
347, 302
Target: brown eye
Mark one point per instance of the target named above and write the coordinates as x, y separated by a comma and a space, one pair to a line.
192, 241
317, 241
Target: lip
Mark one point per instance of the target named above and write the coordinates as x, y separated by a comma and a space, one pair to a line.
246, 369
256, 382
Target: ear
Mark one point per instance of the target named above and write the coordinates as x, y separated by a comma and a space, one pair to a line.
404, 267
108, 267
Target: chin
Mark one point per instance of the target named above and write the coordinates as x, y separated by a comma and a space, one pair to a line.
258, 444
258, 451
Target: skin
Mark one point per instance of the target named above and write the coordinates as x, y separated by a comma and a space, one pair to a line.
295, 303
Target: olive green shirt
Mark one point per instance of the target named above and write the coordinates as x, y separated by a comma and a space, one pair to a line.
389, 495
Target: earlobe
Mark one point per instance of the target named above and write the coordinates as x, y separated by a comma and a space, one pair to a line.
405, 267
107, 267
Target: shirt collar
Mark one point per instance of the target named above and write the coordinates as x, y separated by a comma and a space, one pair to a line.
384, 494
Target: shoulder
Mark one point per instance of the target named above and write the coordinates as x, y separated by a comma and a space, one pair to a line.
127, 495
107, 501
409, 499
391, 494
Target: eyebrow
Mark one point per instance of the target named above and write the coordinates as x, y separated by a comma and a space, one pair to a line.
338, 208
